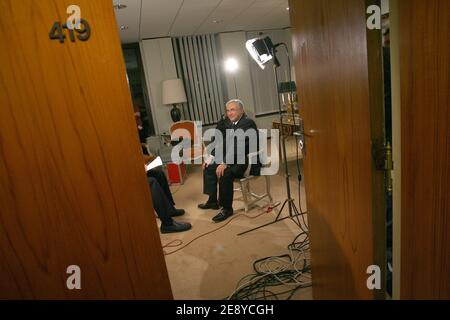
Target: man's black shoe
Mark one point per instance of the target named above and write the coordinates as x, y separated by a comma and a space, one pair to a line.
209, 205
178, 213
223, 215
175, 227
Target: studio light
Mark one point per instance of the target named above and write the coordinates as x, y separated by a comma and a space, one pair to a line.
231, 65
261, 50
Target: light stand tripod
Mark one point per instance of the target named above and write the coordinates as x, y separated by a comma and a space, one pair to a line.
293, 211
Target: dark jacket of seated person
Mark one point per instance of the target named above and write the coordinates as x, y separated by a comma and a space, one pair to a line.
222, 171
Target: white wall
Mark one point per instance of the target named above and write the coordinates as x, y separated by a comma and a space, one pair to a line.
384, 6
159, 65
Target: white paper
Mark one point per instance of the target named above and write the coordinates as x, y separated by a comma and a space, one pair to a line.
209, 159
154, 164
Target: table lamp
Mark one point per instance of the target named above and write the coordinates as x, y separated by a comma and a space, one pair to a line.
290, 89
172, 94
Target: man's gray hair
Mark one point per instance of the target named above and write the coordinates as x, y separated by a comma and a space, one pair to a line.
236, 101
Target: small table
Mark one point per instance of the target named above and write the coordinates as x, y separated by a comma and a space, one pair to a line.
288, 127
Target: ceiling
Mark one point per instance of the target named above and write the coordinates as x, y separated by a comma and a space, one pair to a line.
145, 19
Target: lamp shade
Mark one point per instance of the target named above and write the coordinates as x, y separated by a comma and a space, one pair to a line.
287, 87
173, 92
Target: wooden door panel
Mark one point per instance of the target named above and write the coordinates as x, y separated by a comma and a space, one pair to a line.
332, 69
425, 119
73, 190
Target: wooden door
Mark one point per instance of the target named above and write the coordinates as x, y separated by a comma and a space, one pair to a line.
73, 190
338, 70
425, 133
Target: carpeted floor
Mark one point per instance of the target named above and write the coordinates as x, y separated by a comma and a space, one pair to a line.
208, 261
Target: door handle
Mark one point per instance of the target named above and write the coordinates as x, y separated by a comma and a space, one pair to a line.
301, 136
302, 142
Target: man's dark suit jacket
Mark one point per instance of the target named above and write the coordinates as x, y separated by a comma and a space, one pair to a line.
245, 123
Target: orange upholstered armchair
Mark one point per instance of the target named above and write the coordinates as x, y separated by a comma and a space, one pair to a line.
189, 130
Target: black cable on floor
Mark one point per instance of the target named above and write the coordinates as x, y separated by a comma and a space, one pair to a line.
278, 272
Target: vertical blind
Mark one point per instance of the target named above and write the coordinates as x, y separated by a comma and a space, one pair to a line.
198, 65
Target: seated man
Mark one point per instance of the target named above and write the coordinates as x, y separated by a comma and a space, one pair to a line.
163, 202
224, 171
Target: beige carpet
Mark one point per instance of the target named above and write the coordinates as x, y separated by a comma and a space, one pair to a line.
211, 266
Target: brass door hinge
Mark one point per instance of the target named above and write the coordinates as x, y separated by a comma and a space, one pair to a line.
382, 154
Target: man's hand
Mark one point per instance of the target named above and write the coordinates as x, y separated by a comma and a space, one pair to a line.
221, 170
208, 159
